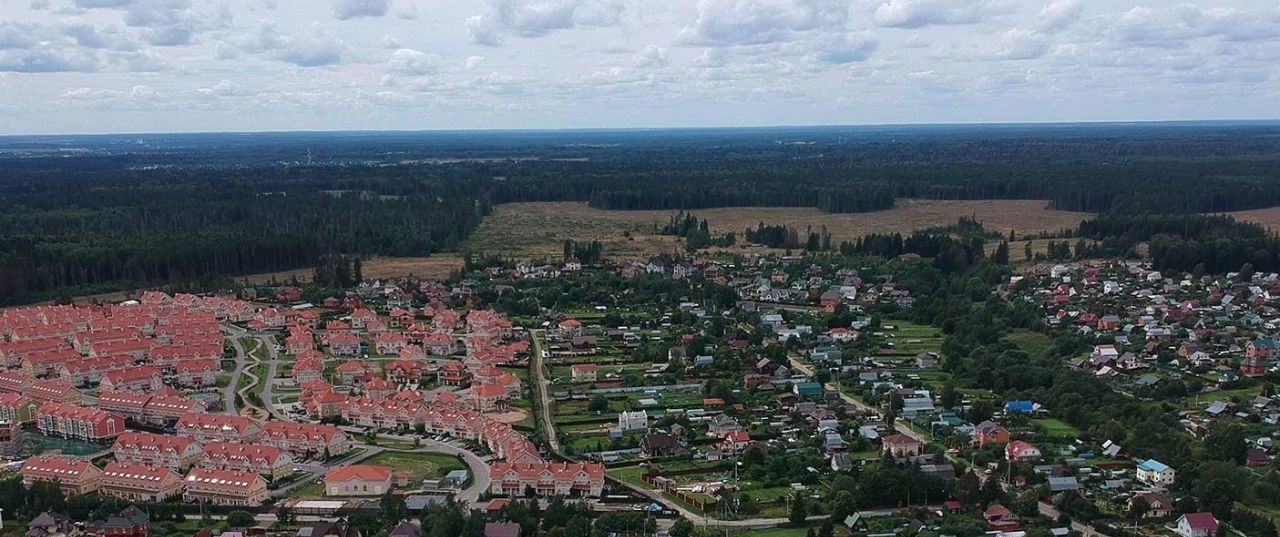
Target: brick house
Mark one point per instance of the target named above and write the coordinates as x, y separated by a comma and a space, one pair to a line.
77, 422
139, 483
17, 409
74, 477
224, 487
268, 461
357, 480
217, 427
547, 478
138, 379
305, 439
176, 452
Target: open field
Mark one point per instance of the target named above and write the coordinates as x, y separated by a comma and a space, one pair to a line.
419, 465
1268, 218
437, 267
539, 228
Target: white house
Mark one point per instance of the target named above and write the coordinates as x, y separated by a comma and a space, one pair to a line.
1155, 473
633, 421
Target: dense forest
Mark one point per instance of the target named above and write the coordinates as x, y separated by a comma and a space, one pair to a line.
80, 214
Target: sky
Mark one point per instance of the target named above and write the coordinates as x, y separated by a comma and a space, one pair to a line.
97, 66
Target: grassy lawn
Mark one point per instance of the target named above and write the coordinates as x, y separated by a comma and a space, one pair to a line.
1033, 343
1056, 427
633, 475
419, 465
909, 338
312, 489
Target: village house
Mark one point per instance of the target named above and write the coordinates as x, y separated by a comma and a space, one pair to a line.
990, 433
139, 483
306, 440
176, 452
358, 480
224, 487
453, 373
583, 373
901, 446
217, 427
1018, 451
17, 409
344, 344
77, 422
1155, 473
196, 373
547, 479
74, 477
268, 461
1197, 525
136, 379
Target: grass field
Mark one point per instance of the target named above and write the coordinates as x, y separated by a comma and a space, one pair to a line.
910, 338
1058, 428
1032, 343
419, 465
540, 228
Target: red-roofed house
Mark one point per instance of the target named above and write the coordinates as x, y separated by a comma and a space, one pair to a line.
214, 427
176, 452
358, 480
439, 344
138, 379
225, 487
453, 373
1197, 525
53, 391
271, 462
354, 372
140, 483
74, 477
546, 478
901, 445
306, 439
344, 344
406, 371
584, 372
80, 423
1018, 450
489, 397
196, 373
17, 409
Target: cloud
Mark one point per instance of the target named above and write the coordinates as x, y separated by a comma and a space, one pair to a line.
165, 22
1020, 44
755, 22
224, 88
1174, 27
311, 49
87, 35
651, 56
47, 60
850, 48
473, 62
406, 11
537, 18
414, 62
922, 13
20, 35
387, 41
1059, 14
351, 9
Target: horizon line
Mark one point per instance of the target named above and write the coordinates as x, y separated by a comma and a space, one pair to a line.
496, 130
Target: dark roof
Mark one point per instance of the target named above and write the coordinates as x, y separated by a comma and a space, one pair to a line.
501, 529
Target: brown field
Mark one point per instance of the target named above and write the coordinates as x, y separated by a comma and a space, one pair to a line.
539, 229
1269, 217
434, 267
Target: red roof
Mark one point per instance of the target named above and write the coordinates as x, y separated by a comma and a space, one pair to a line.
366, 472
1202, 521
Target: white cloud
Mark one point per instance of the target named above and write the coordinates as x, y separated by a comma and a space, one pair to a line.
922, 13
1019, 44
537, 18
414, 62
850, 48
313, 48
473, 62
387, 41
406, 11
651, 56
1174, 27
1059, 14
350, 9
755, 22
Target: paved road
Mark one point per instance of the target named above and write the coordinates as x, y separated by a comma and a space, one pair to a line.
229, 392
273, 364
478, 466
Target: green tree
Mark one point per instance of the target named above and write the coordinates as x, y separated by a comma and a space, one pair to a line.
240, 519
681, 528
799, 510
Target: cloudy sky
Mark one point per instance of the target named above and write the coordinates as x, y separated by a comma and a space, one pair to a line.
247, 65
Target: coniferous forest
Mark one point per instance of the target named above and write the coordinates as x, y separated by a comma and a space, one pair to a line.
96, 213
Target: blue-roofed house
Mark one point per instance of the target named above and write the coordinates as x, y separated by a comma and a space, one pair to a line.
1155, 473
1020, 407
